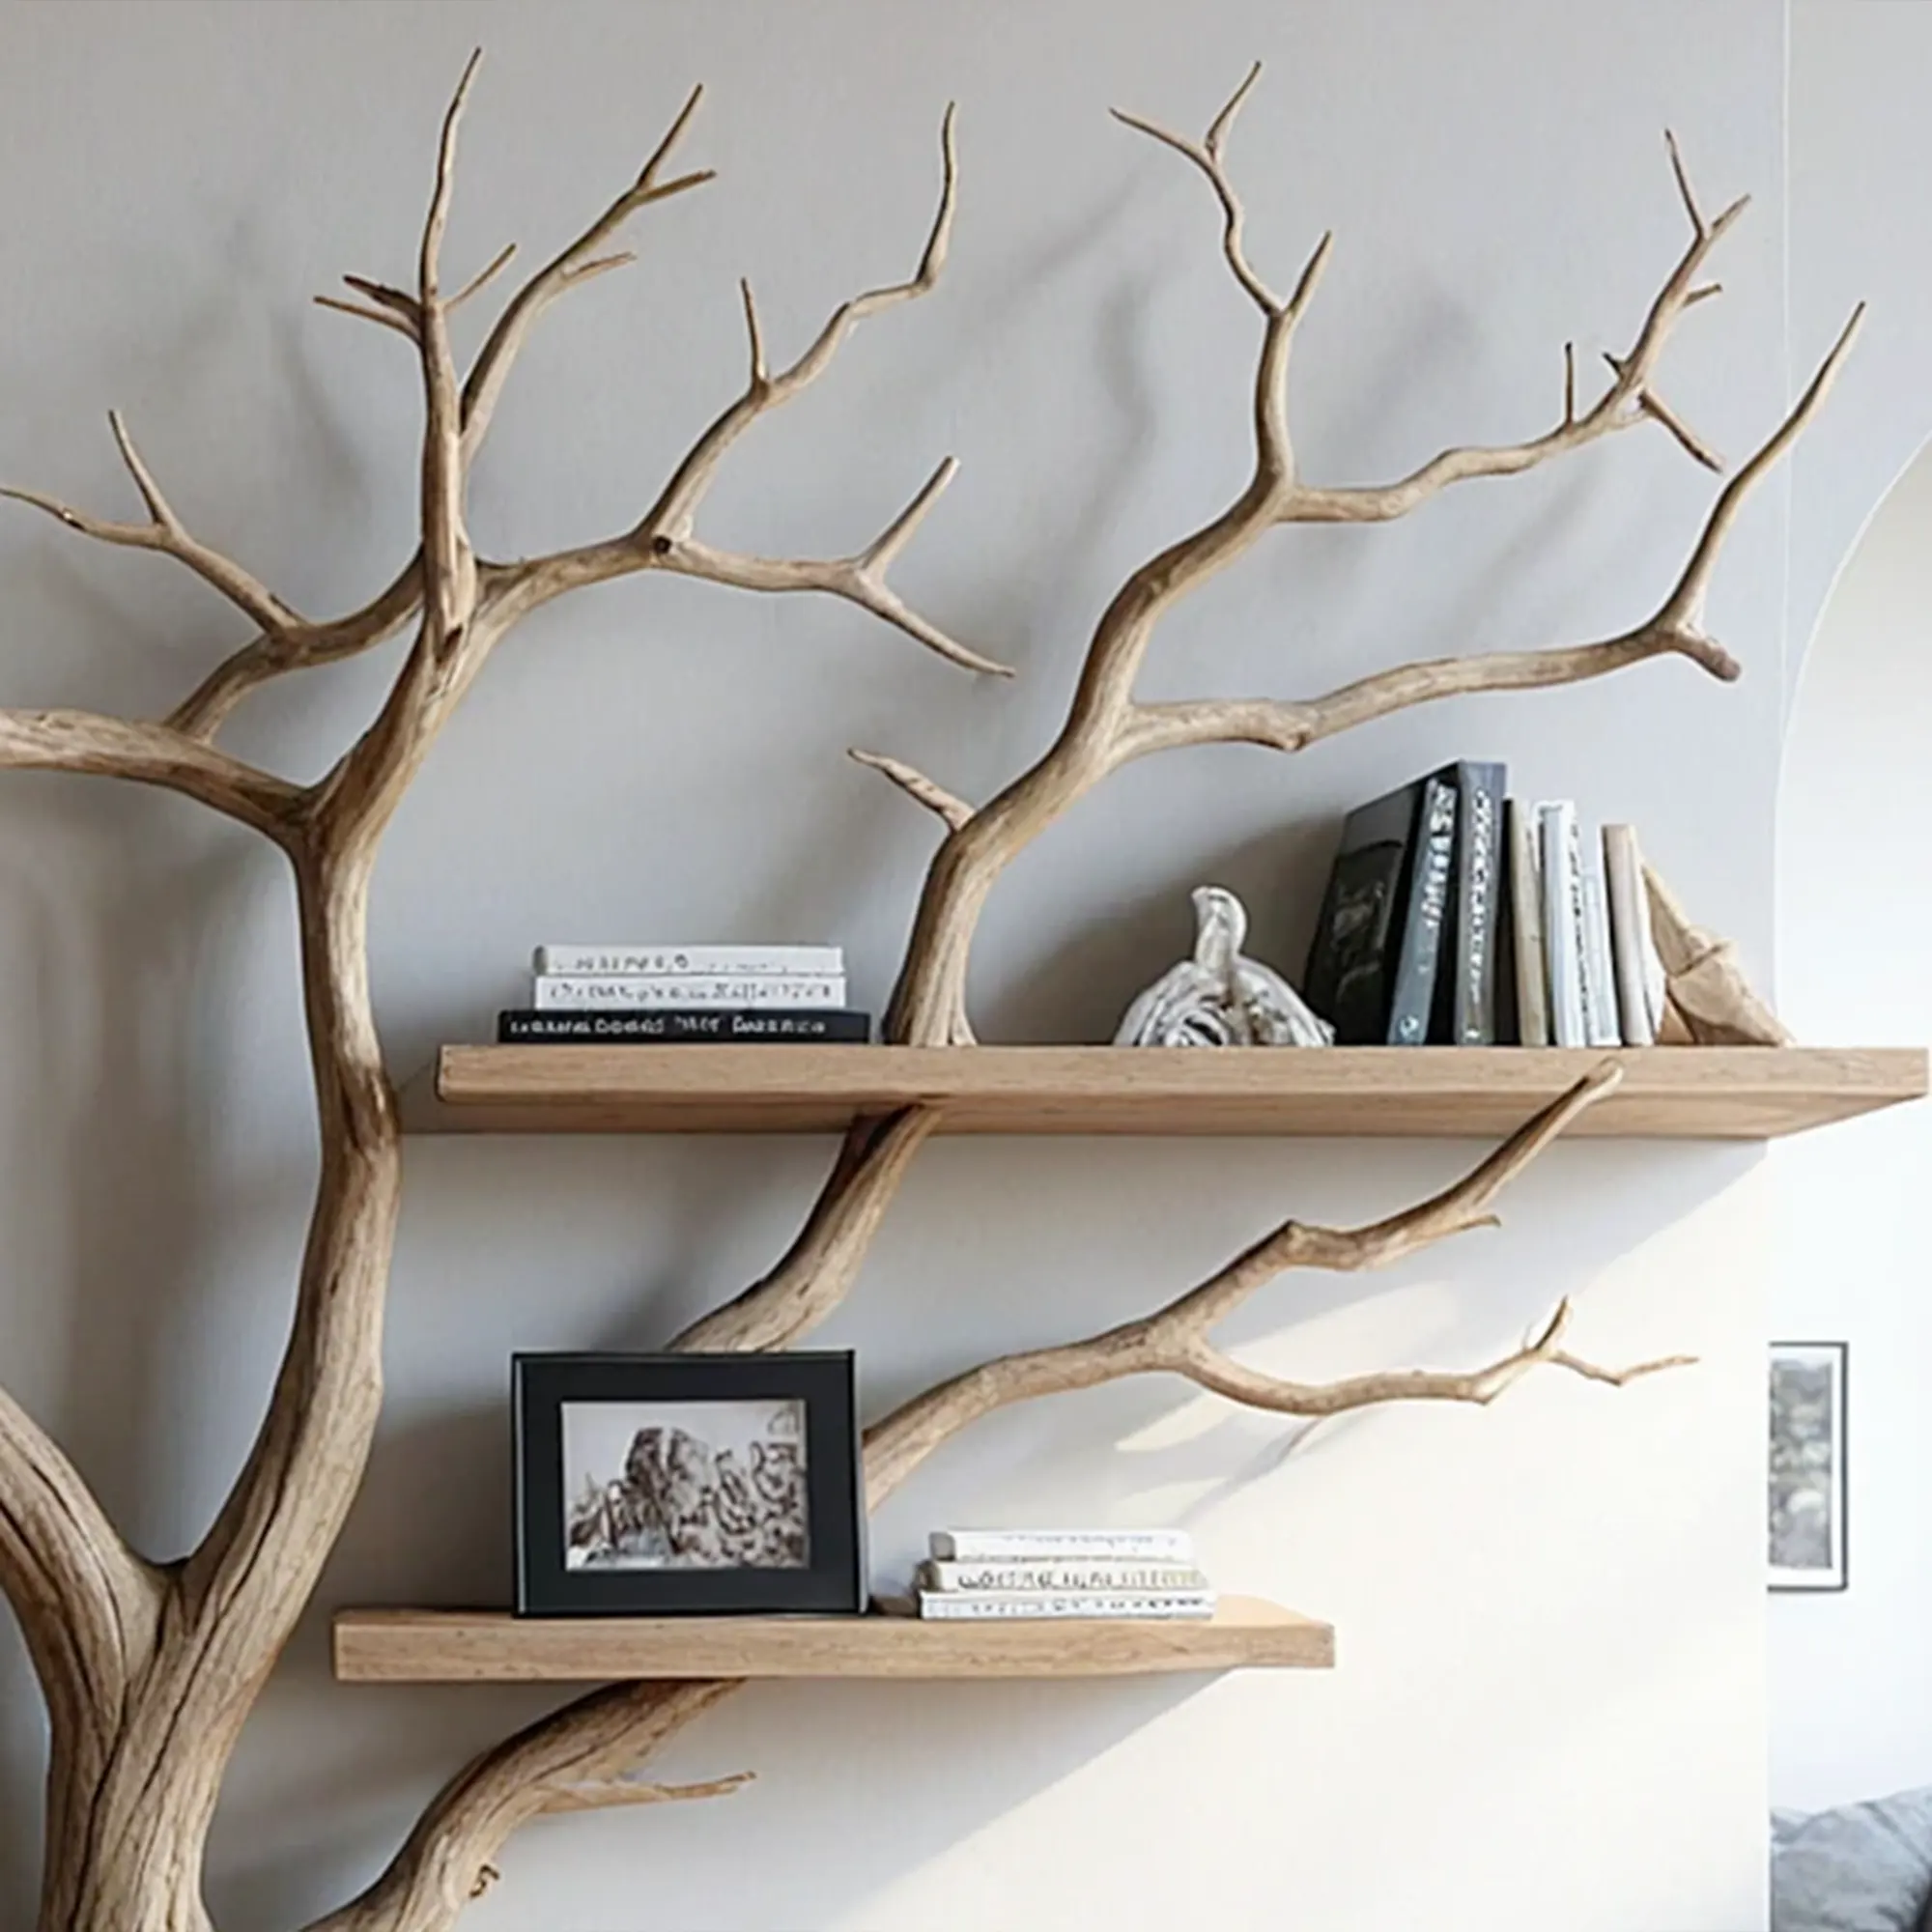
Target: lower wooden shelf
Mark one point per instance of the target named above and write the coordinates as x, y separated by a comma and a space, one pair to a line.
400, 1646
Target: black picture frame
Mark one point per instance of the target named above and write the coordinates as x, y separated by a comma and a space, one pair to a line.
557, 1574
1808, 1497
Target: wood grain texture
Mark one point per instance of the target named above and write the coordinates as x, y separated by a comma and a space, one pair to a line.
1673, 1092
491, 1647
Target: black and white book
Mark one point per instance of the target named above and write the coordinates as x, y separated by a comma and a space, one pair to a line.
1527, 961
1426, 914
574, 992
1630, 934
672, 1026
1115, 1575
1355, 956
997, 1605
1047, 1546
1562, 921
717, 961
1466, 996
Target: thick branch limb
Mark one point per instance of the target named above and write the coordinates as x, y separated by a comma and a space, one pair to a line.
1174, 1340
87, 1604
820, 1267
166, 532
156, 755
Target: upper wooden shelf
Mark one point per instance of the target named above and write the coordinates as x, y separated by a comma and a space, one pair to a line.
493, 1647
1675, 1092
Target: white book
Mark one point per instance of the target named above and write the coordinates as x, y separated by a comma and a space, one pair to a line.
557, 993
1034, 1546
1556, 841
1532, 972
1599, 987
1629, 933
993, 1605
723, 961
1115, 1574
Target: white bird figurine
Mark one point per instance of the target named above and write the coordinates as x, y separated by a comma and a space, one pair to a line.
1220, 998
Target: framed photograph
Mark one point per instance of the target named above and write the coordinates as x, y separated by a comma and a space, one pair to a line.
1808, 1466
660, 1485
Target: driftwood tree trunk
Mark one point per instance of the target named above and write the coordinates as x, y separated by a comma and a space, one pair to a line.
149, 1672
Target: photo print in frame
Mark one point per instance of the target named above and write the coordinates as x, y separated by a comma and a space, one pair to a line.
688, 1485
1807, 1489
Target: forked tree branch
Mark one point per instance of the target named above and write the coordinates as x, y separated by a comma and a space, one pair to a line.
1107, 725
664, 540
1674, 628
87, 1604
608, 1734
1174, 1340
166, 532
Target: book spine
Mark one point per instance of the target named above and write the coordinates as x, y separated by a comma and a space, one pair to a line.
672, 1026
1556, 826
991, 1606
720, 961
1037, 1546
1629, 933
1122, 1577
1600, 990
1421, 955
1478, 875
1532, 973
577, 992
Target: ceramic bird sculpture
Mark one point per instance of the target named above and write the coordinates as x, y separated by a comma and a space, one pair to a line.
1220, 998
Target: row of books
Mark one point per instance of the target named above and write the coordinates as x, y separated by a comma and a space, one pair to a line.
990, 1574
1455, 915
664, 995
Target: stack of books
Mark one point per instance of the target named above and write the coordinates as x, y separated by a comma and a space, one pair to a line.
983, 1574
1456, 914
661, 995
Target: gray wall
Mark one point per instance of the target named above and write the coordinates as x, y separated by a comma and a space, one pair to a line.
1550, 1698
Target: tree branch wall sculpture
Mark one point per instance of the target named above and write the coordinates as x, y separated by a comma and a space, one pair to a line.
150, 1670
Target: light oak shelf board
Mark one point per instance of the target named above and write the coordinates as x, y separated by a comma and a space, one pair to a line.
493, 1647
1674, 1092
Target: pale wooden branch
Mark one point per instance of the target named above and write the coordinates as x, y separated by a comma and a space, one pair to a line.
1174, 1340
276, 652
88, 1606
1674, 628
955, 811
165, 532
601, 1737
156, 755
1107, 726
819, 1269
569, 270
664, 540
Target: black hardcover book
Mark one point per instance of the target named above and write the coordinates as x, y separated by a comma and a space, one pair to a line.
1466, 1001
1353, 960
723, 1025
1426, 897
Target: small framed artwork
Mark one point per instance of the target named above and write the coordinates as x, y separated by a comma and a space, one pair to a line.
698, 1485
1807, 1491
